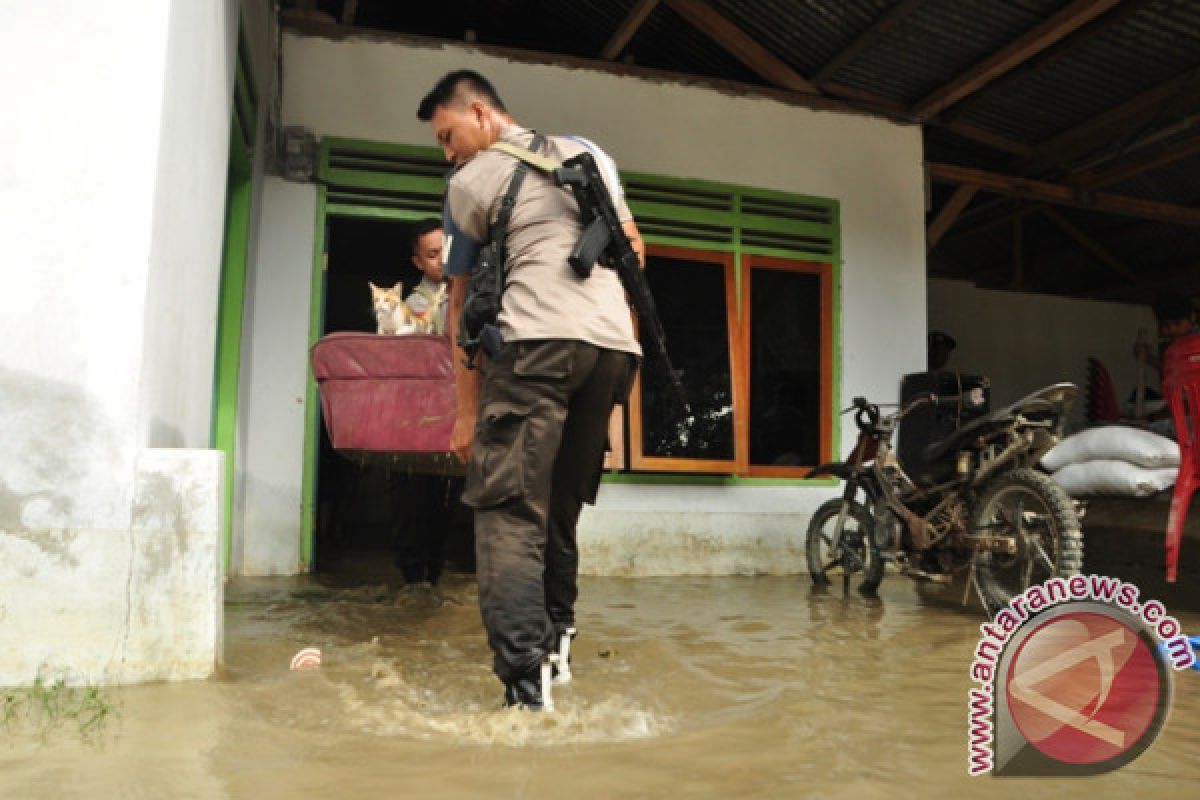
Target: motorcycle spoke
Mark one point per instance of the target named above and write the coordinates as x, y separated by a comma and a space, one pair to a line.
1018, 517
1043, 556
1026, 574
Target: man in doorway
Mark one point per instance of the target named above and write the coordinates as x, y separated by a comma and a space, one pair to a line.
427, 241
533, 430
427, 502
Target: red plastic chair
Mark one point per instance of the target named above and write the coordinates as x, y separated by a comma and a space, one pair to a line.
1181, 385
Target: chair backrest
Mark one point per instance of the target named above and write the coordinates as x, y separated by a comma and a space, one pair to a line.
1102, 403
1182, 360
1181, 385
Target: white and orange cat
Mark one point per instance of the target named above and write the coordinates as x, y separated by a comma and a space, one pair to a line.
394, 317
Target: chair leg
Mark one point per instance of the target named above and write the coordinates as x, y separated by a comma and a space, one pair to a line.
1185, 485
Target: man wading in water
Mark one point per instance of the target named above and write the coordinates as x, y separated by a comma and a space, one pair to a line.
561, 354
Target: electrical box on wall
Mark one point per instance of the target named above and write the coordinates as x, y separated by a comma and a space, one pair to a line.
297, 149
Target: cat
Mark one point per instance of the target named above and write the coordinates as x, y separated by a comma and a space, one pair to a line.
393, 315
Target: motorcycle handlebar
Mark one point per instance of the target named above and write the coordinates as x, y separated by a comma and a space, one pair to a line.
972, 399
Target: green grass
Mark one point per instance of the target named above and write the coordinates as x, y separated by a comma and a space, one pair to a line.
49, 707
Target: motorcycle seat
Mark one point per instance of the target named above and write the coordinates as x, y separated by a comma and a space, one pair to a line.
1046, 400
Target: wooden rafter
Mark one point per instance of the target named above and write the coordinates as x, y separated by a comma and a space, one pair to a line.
630, 26
948, 213
1052, 55
873, 33
1098, 180
1059, 194
1052, 30
1070, 143
1091, 245
977, 134
349, 9
740, 45
1140, 166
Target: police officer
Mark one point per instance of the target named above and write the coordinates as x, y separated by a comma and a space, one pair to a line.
532, 430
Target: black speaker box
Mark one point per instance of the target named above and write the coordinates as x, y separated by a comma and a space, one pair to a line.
929, 424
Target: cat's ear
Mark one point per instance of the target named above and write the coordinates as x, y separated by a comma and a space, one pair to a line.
399, 287
374, 288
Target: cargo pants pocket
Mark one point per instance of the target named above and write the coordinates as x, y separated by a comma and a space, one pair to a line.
497, 473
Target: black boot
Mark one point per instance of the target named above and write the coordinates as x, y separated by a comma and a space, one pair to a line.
524, 692
531, 691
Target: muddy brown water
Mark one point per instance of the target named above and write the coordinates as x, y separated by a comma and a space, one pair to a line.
685, 687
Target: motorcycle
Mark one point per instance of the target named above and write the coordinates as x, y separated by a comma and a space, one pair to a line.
975, 502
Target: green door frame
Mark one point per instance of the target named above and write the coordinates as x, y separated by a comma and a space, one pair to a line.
232, 296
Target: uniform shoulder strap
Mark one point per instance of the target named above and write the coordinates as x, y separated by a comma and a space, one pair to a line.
536, 160
500, 228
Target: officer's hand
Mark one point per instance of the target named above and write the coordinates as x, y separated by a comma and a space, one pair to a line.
460, 438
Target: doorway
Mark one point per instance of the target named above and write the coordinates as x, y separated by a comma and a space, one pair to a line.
362, 509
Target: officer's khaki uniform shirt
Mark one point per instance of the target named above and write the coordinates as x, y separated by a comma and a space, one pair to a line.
543, 298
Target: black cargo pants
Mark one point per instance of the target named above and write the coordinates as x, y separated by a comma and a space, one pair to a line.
536, 458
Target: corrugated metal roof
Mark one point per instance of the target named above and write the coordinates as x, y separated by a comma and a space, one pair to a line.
1130, 49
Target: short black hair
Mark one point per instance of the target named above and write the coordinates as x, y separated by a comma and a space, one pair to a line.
420, 228
446, 91
1173, 308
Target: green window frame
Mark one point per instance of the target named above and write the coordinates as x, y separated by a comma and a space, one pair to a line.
404, 182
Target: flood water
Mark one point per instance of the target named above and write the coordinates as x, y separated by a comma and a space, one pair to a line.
684, 687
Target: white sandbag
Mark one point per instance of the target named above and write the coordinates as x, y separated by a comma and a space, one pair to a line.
1114, 443
1117, 478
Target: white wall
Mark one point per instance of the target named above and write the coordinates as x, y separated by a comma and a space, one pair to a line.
77, 179
189, 218
274, 371
370, 88
1025, 341
112, 179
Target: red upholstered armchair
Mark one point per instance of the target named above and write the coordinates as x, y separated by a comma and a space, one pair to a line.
388, 398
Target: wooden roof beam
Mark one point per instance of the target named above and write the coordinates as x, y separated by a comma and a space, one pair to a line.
873, 33
948, 213
1059, 194
1052, 55
1100, 128
628, 28
1035, 41
1140, 166
1091, 245
741, 46
349, 9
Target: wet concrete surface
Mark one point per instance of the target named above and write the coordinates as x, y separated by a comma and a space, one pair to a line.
684, 687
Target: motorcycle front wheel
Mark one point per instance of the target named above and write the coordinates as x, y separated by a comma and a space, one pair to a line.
858, 552
1035, 511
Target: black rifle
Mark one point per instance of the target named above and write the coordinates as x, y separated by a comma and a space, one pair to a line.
604, 241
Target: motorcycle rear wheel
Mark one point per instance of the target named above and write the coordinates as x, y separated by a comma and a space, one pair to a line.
1031, 507
859, 552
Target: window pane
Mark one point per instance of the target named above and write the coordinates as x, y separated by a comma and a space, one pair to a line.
785, 368
691, 301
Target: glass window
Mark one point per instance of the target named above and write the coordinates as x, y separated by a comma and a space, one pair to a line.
693, 290
789, 365
760, 386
